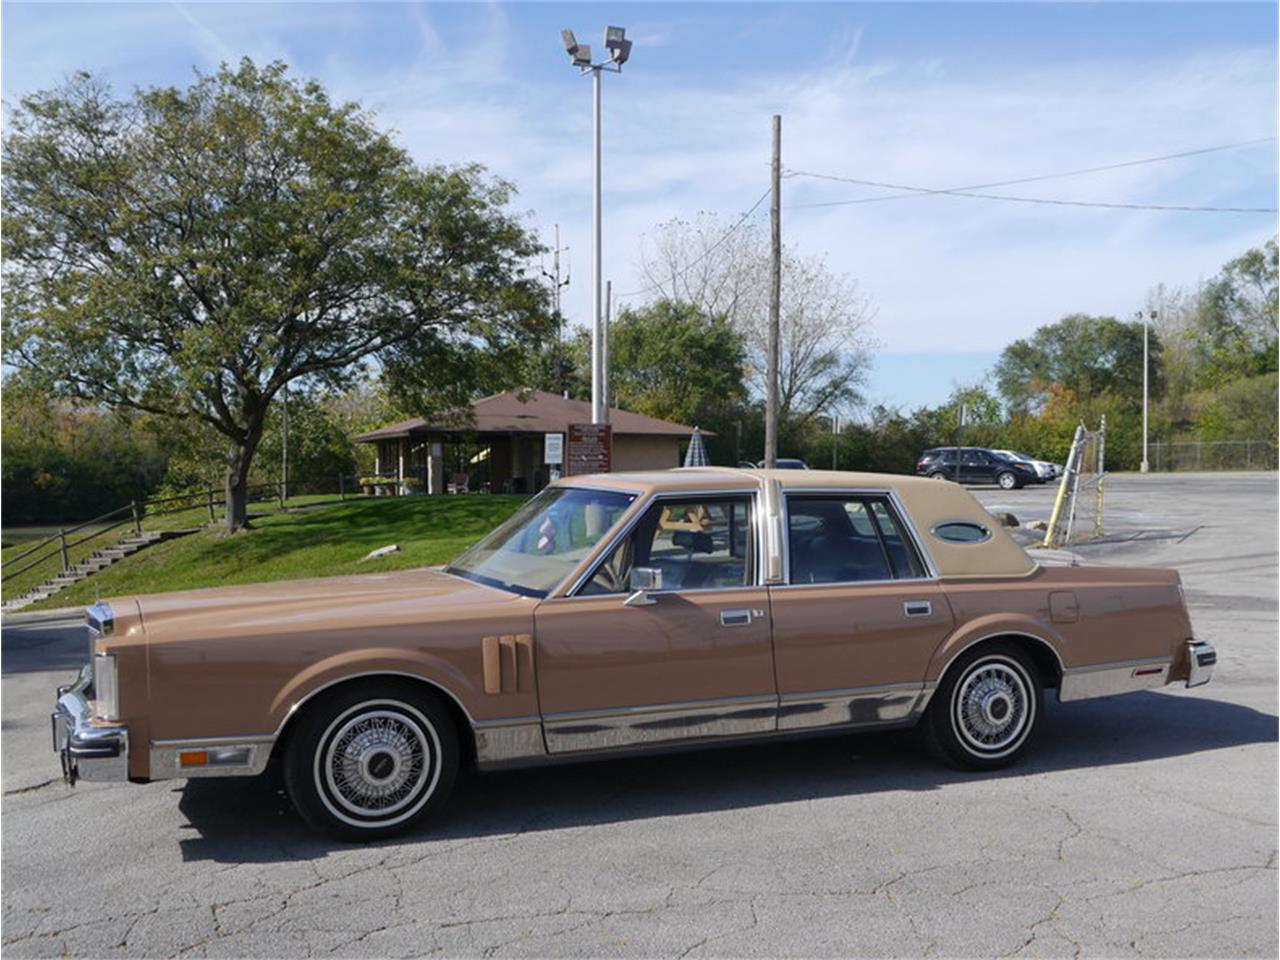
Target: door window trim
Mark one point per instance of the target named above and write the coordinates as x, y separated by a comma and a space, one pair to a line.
755, 537
896, 508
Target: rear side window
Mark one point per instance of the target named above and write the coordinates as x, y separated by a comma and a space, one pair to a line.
847, 539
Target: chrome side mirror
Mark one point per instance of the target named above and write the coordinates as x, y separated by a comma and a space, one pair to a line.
643, 580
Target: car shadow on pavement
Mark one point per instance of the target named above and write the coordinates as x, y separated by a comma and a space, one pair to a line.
240, 821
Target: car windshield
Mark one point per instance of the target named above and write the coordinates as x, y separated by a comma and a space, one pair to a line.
544, 541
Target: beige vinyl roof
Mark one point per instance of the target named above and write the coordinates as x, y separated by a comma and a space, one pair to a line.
526, 411
928, 502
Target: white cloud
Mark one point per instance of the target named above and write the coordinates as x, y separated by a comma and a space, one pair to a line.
946, 273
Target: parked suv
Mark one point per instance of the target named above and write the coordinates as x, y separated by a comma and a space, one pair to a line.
977, 465
1047, 470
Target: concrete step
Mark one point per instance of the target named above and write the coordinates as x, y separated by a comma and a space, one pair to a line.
94, 563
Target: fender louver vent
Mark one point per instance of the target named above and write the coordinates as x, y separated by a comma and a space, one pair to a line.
508, 663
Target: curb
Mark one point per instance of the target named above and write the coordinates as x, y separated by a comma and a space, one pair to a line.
42, 616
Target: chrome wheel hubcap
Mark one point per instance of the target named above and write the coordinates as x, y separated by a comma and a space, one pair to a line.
377, 762
993, 708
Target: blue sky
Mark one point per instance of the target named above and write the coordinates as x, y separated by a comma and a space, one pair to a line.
935, 95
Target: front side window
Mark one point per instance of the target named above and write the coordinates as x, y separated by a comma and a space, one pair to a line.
842, 539
698, 544
543, 541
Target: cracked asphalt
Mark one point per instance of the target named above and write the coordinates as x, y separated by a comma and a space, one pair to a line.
1142, 825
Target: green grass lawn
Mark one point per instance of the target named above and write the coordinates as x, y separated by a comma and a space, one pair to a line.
83, 543
321, 541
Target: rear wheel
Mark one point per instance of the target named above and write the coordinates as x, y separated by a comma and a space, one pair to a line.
938, 475
371, 760
1007, 480
986, 709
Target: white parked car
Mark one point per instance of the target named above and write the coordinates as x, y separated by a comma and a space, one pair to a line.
1045, 470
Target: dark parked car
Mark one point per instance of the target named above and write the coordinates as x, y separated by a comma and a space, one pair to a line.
784, 463
977, 465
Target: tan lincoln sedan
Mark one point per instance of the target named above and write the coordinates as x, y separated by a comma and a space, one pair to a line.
616, 613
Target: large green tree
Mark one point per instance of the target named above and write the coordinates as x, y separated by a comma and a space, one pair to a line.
1234, 330
1088, 356
189, 252
670, 361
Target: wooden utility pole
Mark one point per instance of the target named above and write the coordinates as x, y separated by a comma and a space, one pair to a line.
775, 302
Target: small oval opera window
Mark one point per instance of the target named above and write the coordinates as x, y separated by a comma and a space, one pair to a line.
961, 531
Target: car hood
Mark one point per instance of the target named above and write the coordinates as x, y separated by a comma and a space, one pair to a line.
289, 605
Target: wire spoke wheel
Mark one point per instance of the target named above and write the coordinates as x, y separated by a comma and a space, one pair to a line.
986, 709
375, 763
992, 707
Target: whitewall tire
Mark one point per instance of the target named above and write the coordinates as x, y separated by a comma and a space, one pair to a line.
371, 760
986, 709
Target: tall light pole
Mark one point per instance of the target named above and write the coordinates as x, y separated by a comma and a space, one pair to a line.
619, 51
1146, 365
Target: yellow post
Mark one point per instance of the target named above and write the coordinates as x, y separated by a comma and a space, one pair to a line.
1073, 465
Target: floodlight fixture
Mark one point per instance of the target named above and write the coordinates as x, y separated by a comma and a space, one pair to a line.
621, 53
570, 41
613, 37
582, 55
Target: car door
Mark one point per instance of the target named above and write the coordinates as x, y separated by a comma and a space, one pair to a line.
694, 661
859, 618
975, 467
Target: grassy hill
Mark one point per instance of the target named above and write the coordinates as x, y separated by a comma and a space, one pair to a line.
310, 542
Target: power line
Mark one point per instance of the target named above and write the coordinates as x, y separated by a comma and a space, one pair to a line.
706, 253
966, 191
1043, 200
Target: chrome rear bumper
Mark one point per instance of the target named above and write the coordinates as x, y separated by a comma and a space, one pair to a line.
1202, 657
87, 750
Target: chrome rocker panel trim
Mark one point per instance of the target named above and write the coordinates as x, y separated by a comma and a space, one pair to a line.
97, 752
656, 723
1110, 679
854, 707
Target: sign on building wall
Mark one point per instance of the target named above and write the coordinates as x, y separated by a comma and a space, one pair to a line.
590, 448
553, 448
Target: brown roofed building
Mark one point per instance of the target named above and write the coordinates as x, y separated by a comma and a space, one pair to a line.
497, 443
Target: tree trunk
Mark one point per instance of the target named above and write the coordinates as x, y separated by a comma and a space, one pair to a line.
239, 459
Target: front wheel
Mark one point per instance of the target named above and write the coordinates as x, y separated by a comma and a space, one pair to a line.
985, 711
1007, 480
370, 761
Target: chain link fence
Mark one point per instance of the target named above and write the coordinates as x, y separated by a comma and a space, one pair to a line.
1213, 455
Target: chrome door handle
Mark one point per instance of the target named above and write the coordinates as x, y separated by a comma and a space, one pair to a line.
735, 618
917, 608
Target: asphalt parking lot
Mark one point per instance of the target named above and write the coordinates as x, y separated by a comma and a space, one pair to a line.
1143, 825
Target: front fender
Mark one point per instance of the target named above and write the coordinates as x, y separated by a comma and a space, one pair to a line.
370, 661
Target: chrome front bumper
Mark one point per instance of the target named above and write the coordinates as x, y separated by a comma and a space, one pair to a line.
1201, 659
87, 750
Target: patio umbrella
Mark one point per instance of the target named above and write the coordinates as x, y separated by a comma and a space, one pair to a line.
696, 455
